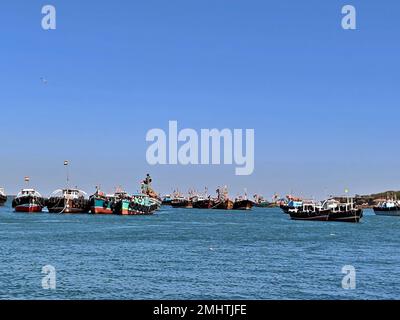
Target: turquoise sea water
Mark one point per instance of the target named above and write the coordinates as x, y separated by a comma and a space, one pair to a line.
197, 254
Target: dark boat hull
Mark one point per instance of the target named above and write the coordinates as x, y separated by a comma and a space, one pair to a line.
285, 208
182, 204
203, 204
243, 205
309, 216
166, 202
29, 204
352, 216
3, 200
224, 205
395, 211
62, 205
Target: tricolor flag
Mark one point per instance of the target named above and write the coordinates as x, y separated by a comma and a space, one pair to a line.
27, 179
66, 162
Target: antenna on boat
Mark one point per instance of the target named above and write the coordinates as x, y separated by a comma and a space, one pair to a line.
346, 191
66, 165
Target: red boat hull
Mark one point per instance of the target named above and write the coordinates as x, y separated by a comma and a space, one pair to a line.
101, 210
28, 208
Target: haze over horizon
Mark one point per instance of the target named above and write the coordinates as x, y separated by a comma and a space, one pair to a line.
323, 101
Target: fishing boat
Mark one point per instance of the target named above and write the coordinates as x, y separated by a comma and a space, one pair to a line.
138, 204
313, 212
242, 204
101, 203
167, 199
388, 208
121, 202
259, 201
291, 203
68, 201
179, 201
144, 203
223, 202
346, 212
155, 201
3, 197
201, 202
263, 204
28, 200
329, 210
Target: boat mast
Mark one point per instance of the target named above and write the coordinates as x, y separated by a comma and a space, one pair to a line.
27, 179
346, 191
66, 165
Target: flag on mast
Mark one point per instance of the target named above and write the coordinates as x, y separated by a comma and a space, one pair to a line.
66, 162
27, 179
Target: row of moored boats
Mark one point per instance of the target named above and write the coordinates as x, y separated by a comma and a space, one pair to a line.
335, 210
70, 200
204, 201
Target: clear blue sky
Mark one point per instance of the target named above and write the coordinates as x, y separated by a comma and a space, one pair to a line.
324, 102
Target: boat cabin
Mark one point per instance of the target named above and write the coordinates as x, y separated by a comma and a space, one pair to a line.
389, 204
28, 192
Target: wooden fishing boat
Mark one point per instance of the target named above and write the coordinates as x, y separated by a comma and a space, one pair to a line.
259, 201
309, 212
388, 208
3, 197
101, 203
329, 210
29, 200
138, 204
243, 204
222, 201
181, 202
223, 204
167, 199
263, 204
291, 203
145, 203
199, 202
120, 205
68, 201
